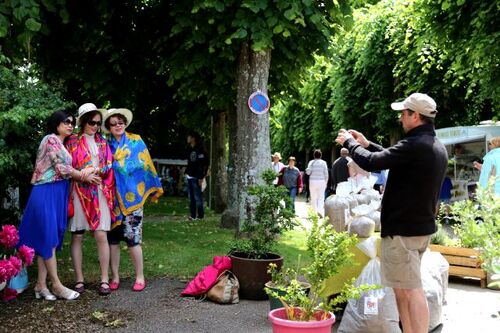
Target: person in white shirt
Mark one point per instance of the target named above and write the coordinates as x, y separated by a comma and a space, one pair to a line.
276, 165
318, 179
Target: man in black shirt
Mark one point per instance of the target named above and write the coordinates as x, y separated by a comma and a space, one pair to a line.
417, 166
340, 171
196, 172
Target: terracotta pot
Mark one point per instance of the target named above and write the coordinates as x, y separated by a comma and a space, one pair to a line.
252, 274
275, 303
282, 325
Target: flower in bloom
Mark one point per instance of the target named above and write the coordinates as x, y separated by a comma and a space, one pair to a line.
9, 236
9, 268
9, 294
26, 254
16, 263
5, 270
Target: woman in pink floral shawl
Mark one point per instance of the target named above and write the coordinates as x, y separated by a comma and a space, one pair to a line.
92, 205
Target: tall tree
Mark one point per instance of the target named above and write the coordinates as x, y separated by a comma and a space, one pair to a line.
234, 41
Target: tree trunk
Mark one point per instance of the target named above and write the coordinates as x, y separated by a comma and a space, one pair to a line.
249, 149
218, 179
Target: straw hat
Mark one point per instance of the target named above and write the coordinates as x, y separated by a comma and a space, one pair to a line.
276, 154
111, 112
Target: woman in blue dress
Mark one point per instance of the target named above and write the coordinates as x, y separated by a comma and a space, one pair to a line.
44, 220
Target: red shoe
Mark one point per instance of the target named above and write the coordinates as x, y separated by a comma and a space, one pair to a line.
114, 285
139, 286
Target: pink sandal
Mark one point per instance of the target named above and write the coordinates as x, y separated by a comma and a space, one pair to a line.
139, 286
114, 285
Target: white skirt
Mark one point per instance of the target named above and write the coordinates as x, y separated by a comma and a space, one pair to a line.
79, 220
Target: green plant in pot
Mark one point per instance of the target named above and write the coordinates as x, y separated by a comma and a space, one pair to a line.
280, 281
479, 226
251, 254
330, 252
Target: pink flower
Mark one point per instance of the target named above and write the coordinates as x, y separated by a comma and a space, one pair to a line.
17, 264
5, 270
26, 254
9, 236
9, 294
9, 268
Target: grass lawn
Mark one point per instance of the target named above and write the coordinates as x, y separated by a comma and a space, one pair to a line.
174, 246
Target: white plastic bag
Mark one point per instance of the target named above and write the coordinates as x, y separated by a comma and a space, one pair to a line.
376, 311
434, 272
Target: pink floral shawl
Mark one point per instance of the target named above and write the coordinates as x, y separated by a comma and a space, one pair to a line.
88, 193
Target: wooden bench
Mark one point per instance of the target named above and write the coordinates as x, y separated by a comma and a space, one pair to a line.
464, 263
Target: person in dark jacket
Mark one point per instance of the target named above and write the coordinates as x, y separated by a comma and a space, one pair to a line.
417, 166
196, 172
291, 177
340, 170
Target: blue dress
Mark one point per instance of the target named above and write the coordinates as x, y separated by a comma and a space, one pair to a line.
46, 214
45, 218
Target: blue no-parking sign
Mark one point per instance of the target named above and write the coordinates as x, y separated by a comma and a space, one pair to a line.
258, 102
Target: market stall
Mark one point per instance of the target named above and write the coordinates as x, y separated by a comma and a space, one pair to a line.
466, 145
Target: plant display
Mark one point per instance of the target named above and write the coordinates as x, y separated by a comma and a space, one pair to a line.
12, 260
330, 251
271, 218
479, 225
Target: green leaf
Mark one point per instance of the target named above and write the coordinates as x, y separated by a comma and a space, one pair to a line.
278, 29
445, 5
286, 33
241, 33
33, 25
290, 14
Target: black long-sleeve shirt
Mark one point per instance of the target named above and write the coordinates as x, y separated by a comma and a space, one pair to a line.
340, 171
417, 166
198, 162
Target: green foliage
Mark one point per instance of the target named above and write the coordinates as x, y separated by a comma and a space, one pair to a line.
271, 218
330, 252
479, 225
21, 21
25, 105
440, 237
447, 49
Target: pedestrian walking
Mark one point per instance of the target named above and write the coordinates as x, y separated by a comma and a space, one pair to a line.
417, 166
276, 165
291, 177
340, 170
317, 170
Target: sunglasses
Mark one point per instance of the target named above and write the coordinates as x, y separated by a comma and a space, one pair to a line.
69, 121
116, 124
94, 123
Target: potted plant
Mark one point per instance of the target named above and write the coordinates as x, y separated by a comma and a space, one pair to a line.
330, 252
280, 281
477, 247
255, 250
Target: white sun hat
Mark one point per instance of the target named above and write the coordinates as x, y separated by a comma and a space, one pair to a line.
86, 108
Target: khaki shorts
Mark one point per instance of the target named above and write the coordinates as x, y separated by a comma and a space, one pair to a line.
400, 261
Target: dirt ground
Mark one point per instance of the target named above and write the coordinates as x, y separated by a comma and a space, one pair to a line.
160, 309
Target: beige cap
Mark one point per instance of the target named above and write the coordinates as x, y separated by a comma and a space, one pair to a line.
417, 102
276, 154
